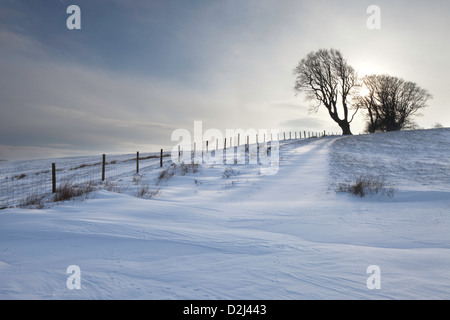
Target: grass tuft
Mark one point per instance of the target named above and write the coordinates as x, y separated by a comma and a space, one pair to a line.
32, 201
68, 190
367, 186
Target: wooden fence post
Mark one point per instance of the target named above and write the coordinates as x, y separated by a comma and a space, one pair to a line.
224, 155
103, 166
53, 178
161, 159
137, 162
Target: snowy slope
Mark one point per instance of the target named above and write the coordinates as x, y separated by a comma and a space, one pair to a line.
250, 236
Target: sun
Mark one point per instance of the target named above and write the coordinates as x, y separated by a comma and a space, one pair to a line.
364, 91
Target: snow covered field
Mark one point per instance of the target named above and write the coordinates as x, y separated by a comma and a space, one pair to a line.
237, 234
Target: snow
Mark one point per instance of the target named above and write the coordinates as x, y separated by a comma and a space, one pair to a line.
249, 235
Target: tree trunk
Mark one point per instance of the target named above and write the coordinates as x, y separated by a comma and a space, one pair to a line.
345, 126
371, 126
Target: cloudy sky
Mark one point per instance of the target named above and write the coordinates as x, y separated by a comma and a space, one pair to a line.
139, 69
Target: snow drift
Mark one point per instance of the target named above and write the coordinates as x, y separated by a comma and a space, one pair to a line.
228, 232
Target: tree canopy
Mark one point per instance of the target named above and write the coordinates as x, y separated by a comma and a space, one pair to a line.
326, 76
391, 102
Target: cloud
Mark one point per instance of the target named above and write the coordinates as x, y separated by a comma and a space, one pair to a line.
243, 70
33, 152
136, 72
49, 103
302, 124
14, 43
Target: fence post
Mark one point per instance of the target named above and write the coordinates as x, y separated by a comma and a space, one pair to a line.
161, 159
53, 178
224, 155
137, 162
247, 150
103, 167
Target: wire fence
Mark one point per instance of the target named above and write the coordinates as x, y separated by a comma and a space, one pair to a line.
28, 183
36, 182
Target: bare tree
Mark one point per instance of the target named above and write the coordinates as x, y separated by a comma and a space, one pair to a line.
325, 76
391, 102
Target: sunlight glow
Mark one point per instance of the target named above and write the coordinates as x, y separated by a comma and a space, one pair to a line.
364, 91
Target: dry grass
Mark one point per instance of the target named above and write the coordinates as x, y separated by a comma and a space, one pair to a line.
18, 177
229, 172
32, 201
177, 169
367, 186
112, 186
84, 165
145, 192
137, 178
68, 190
165, 174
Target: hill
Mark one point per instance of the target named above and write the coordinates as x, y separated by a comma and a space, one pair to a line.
230, 232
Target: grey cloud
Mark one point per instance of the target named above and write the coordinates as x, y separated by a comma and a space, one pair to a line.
305, 124
239, 67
